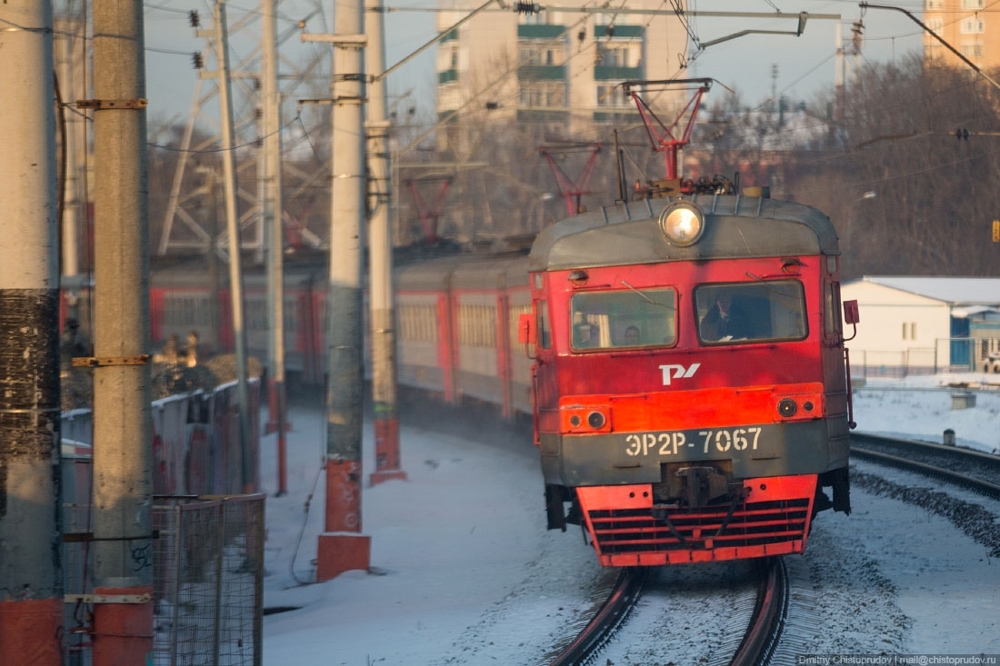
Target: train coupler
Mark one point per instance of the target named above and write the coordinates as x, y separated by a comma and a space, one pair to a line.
700, 485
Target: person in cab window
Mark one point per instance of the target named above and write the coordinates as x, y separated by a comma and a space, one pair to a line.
725, 321
587, 336
631, 336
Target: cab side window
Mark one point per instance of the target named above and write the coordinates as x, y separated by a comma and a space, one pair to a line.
544, 330
832, 314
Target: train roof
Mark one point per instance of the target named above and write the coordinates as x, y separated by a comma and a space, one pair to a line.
471, 271
735, 227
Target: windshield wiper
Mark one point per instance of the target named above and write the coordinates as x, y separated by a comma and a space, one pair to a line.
645, 297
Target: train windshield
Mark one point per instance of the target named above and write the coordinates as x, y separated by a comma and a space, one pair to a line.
624, 319
750, 312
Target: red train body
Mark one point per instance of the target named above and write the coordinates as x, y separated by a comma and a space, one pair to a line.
672, 440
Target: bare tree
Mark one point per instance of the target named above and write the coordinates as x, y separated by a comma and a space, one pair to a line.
912, 198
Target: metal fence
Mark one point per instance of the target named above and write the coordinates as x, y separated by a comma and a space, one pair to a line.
947, 355
205, 540
208, 580
208, 577
196, 444
866, 363
77, 562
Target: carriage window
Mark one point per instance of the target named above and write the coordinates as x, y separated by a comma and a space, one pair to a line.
624, 319
750, 312
544, 332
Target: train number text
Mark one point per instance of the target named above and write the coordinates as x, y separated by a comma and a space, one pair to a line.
722, 440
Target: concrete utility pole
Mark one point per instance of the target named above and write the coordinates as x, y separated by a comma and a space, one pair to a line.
270, 208
69, 47
384, 394
214, 283
838, 74
31, 584
342, 547
233, 230
123, 546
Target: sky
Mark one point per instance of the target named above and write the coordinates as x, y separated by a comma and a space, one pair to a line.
805, 64
464, 572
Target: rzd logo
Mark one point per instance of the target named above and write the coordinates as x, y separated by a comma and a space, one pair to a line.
679, 372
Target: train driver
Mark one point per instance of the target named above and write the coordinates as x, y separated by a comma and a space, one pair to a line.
586, 336
631, 336
725, 320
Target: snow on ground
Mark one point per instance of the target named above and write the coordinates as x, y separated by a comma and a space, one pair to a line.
920, 407
947, 584
464, 571
458, 548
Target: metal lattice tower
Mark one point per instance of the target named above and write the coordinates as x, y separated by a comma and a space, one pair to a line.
184, 226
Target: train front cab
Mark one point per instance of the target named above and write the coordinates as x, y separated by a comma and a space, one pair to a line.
669, 441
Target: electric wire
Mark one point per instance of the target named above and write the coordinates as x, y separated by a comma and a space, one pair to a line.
201, 151
302, 531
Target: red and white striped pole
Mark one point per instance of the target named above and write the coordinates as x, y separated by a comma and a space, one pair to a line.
342, 547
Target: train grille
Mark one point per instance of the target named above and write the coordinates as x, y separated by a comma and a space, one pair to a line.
753, 524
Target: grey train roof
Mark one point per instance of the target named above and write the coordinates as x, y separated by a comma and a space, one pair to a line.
630, 234
471, 271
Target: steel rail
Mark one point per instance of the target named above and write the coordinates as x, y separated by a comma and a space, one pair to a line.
976, 485
603, 625
979, 458
768, 618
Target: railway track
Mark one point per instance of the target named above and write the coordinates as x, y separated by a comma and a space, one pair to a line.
764, 632
608, 618
754, 649
961, 468
763, 639
976, 471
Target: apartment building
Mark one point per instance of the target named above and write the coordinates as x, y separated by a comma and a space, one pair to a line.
965, 25
561, 66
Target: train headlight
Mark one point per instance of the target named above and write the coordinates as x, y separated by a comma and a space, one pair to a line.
596, 420
787, 408
682, 223
585, 419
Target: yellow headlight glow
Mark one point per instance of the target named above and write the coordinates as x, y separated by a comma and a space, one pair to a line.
682, 223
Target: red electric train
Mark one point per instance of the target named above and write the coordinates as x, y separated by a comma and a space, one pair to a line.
682, 359
681, 355
691, 393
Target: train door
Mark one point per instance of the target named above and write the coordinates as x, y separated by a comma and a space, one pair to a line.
544, 394
835, 370
834, 366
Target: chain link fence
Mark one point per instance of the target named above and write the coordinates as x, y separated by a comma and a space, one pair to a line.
208, 580
208, 576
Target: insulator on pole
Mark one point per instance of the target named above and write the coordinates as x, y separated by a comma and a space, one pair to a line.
194, 19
